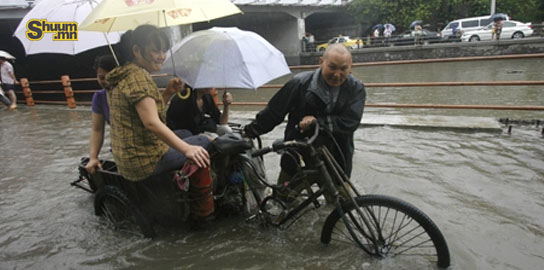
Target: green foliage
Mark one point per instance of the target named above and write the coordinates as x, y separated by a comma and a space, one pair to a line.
436, 13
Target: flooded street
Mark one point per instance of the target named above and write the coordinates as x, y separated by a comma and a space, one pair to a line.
484, 190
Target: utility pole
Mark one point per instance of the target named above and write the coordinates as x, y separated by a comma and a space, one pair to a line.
492, 7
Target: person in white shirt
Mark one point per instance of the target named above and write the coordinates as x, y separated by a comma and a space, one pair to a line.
8, 79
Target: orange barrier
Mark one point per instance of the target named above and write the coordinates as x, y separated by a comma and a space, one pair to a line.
70, 100
27, 92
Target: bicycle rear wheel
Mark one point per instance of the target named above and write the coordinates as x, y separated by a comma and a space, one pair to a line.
388, 227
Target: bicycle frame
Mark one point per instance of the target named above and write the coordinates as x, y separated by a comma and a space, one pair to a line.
334, 182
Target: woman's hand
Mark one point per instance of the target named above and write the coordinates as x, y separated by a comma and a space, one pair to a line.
174, 85
92, 165
198, 155
227, 98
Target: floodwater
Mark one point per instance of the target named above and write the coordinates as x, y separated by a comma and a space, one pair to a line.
484, 190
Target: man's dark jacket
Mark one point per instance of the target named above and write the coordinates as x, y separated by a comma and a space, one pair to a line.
308, 94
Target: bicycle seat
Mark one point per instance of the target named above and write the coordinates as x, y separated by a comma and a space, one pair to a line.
231, 143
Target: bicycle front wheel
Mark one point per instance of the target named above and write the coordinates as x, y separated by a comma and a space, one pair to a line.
384, 226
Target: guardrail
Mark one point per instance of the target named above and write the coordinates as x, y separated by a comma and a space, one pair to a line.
67, 95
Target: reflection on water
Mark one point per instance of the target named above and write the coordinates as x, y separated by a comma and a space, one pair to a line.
484, 191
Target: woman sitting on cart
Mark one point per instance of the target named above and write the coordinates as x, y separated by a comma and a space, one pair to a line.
197, 112
142, 144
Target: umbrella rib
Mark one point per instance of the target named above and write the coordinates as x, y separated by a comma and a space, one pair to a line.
244, 62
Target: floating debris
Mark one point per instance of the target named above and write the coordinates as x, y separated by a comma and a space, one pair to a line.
514, 71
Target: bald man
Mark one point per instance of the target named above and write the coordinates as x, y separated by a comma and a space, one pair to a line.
329, 95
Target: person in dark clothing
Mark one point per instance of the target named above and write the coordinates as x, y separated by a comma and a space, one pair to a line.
197, 112
329, 95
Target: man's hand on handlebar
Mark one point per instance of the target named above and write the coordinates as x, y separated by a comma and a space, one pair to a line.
249, 132
306, 122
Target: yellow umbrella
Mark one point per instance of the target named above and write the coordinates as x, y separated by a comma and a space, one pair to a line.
120, 15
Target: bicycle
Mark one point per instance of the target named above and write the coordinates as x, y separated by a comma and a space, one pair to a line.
381, 226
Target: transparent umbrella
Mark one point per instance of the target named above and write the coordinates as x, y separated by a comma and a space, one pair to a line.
390, 26
227, 57
414, 23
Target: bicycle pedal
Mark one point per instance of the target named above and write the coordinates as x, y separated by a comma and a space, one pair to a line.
252, 218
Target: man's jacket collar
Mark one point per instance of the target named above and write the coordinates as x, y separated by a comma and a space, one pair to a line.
319, 87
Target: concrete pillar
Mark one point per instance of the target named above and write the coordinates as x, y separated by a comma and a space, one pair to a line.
300, 31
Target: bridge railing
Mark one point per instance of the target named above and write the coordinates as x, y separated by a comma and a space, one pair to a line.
61, 91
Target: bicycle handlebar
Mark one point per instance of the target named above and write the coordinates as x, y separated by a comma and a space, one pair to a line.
277, 146
261, 152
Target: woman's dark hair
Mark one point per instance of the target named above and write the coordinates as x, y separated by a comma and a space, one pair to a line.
105, 62
142, 36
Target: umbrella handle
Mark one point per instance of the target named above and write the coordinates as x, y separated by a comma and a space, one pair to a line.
111, 49
171, 54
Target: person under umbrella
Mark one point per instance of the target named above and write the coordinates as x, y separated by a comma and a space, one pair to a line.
142, 145
196, 111
387, 32
8, 81
220, 58
100, 111
414, 23
377, 29
418, 32
497, 25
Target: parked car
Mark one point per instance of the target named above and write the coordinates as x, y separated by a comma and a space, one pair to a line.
464, 25
407, 38
510, 30
349, 42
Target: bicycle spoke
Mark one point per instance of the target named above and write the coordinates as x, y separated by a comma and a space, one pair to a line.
401, 230
360, 229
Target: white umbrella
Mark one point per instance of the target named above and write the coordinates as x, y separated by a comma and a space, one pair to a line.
118, 15
227, 58
6, 55
62, 11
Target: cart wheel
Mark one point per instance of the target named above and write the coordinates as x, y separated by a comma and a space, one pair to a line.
121, 213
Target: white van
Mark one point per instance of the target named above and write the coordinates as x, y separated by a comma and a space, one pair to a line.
465, 24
